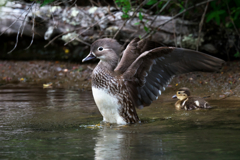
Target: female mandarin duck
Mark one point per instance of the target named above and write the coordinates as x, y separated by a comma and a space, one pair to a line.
139, 76
188, 102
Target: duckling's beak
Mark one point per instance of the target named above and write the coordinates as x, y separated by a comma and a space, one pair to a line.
175, 96
90, 56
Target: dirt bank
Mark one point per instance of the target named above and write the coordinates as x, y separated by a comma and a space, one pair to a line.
225, 84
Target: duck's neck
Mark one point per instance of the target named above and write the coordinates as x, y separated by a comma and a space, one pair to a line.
109, 65
183, 101
180, 103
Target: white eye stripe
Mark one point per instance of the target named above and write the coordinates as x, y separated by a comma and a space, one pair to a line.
103, 49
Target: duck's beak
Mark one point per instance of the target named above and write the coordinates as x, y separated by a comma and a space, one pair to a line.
90, 56
175, 96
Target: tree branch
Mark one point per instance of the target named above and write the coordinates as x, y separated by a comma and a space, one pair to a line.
185, 10
232, 20
134, 13
33, 25
21, 26
201, 24
17, 19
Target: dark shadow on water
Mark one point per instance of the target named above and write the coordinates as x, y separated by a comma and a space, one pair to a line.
38, 123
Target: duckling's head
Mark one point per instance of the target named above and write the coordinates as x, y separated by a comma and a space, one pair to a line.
182, 93
105, 49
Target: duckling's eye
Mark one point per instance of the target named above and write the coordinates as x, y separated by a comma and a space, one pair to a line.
100, 48
178, 93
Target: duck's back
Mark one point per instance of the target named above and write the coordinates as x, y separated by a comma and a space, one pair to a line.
195, 102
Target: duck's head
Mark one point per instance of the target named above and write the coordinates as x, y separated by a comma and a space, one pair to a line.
106, 49
182, 94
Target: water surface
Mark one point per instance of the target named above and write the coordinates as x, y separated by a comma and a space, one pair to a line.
38, 123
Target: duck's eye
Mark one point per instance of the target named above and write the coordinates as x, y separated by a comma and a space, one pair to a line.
100, 48
178, 93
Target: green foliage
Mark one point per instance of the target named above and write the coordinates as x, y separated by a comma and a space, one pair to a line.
137, 23
146, 29
219, 13
44, 2
237, 55
217, 10
126, 7
151, 2
215, 15
140, 16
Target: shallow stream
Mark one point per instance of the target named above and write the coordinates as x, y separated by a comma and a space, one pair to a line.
38, 123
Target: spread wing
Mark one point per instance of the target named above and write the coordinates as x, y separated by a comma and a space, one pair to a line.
153, 69
132, 52
129, 55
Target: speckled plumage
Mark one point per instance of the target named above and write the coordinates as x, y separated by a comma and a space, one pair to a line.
188, 102
114, 86
135, 78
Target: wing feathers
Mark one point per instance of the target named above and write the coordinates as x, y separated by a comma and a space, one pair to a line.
153, 90
144, 98
150, 95
129, 56
155, 68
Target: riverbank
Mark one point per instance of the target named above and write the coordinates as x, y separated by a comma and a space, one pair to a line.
55, 74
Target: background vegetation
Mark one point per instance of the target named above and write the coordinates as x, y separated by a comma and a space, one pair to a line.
218, 19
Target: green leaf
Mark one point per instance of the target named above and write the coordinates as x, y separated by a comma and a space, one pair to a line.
137, 23
180, 5
45, 2
140, 16
146, 29
181, 10
161, 4
215, 14
151, 2
236, 14
217, 18
237, 55
125, 16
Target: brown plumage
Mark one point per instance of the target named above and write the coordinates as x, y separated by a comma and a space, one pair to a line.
188, 102
139, 77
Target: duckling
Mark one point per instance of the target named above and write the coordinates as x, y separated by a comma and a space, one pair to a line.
188, 102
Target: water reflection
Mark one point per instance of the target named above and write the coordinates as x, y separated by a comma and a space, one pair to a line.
129, 142
44, 123
112, 144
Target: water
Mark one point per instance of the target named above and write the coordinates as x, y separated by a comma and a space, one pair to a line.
38, 123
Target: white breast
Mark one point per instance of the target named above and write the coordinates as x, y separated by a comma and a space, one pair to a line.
108, 106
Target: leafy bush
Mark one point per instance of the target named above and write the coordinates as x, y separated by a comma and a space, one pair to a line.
225, 13
125, 6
